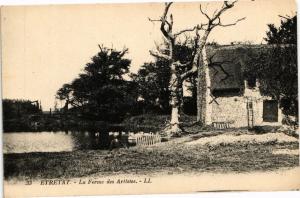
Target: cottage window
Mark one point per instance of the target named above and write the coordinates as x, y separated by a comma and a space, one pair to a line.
251, 82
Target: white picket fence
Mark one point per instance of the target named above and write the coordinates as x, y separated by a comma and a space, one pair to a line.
138, 139
147, 139
222, 125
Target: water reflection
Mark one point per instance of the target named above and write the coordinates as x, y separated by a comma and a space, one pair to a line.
24, 142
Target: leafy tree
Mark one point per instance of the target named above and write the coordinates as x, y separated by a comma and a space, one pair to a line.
101, 92
286, 33
283, 60
276, 69
153, 78
64, 93
276, 65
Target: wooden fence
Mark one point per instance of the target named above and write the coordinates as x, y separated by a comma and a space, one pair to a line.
147, 139
222, 125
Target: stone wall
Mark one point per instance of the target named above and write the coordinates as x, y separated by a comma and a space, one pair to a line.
233, 109
230, 109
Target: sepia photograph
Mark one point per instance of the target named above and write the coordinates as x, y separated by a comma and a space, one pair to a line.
148, 98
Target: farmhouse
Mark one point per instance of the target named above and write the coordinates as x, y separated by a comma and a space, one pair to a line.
236, 101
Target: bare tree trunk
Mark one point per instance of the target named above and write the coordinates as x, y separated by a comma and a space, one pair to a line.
200, 95
204, 108
175, 83
174, 86
174, 123
208, 98
201, 67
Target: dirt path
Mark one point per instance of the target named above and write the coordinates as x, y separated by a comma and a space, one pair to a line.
247, 138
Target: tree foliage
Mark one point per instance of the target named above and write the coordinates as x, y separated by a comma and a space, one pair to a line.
286, 33
101, 92
276, 69
153, 78
276, 65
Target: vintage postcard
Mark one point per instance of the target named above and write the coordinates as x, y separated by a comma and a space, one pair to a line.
146, 98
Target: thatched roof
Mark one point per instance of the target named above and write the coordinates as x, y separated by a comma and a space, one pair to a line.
233, 59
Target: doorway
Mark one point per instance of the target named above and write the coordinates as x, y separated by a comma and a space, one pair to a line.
270, 111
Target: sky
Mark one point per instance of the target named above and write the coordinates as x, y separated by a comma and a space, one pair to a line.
44, 47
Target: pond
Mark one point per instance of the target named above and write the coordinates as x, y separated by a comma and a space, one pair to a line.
25, 142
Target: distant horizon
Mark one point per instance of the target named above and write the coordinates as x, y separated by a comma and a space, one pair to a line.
47, 46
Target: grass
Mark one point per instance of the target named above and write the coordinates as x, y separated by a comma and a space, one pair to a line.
171, 157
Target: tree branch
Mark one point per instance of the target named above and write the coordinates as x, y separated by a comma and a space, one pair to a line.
194, 68
154, 20
196, 40
167, 32
171, 22
231, 24
178, 63
287, 17
225, 7
185, 30
125, 50
160, 55
205, 14
101, 47
230, 5
216, 16
189, 72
